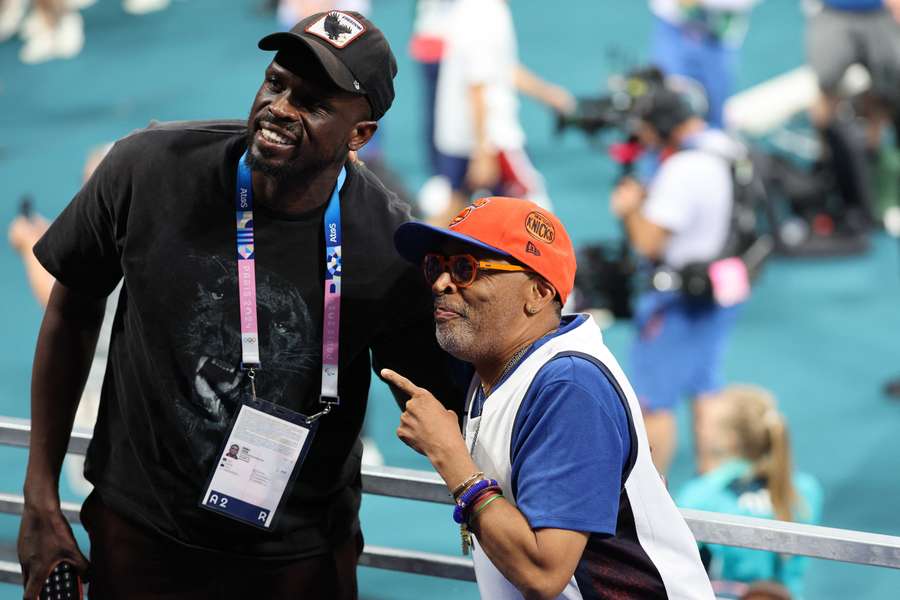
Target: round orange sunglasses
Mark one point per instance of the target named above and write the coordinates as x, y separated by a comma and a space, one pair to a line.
463, 268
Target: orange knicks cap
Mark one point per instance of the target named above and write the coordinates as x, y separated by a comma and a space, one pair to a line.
519, 229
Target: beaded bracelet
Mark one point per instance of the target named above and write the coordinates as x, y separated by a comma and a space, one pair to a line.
465, 501
465, 512
474, 491
471, 494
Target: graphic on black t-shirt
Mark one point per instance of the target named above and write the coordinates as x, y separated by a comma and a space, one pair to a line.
211, 341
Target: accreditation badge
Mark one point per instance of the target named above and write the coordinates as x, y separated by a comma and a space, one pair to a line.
259, 461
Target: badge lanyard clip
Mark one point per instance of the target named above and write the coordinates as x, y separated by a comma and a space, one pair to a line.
251, 374
313, 418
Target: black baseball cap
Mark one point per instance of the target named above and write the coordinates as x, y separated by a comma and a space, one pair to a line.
663, 108
351, 49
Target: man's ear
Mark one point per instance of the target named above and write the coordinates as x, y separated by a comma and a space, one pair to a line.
361, 134
541, 294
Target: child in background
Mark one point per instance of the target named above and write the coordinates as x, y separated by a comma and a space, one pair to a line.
745, 466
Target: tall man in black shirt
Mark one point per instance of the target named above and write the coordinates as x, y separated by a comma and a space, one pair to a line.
206, 339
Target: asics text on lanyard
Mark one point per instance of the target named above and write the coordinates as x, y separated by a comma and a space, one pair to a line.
247, 284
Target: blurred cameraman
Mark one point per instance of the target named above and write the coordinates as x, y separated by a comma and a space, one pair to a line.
681, 218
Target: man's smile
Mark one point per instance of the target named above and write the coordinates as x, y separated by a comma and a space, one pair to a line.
273, 138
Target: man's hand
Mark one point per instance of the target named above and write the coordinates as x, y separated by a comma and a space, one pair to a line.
24, 232
45, 539
627, 197
430, 429
426, 426
556, 97
560, 99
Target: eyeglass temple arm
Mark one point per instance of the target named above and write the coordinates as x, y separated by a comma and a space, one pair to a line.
484, 264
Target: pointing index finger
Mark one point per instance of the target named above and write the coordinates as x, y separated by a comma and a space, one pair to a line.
400, 381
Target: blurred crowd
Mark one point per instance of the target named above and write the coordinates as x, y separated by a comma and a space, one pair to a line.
678, 199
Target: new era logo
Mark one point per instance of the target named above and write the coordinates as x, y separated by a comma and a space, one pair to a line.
532, 249
337, 28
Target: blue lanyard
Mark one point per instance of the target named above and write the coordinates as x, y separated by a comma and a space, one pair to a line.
247, 285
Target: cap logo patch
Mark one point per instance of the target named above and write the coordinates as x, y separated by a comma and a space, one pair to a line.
530, 248
464, 213
337, 28
539, 227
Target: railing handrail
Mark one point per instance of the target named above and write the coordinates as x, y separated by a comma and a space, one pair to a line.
731, 530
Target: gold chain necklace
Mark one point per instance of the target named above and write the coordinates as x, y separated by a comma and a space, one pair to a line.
513, 360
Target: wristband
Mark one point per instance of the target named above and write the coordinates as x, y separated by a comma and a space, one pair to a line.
484, 505
471, 494
465, 512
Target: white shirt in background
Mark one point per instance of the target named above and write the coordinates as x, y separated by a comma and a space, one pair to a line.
480, 49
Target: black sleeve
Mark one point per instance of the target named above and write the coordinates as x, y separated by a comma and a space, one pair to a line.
409, 347
82, 248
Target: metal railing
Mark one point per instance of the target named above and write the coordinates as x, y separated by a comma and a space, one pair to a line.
730, 530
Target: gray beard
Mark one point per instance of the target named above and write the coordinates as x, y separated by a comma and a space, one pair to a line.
459, 341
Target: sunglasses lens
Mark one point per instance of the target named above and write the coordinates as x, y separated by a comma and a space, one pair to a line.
432, 267
463, 270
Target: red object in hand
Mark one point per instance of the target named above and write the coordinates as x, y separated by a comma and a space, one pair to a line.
626, 153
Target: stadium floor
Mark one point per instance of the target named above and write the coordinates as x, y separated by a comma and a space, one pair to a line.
821, 334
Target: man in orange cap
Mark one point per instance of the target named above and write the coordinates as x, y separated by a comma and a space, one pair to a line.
553, 475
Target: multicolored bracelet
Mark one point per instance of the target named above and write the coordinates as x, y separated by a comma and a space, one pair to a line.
479, 494
484, 504
471, 495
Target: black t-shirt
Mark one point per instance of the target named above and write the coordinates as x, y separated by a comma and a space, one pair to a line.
159, 211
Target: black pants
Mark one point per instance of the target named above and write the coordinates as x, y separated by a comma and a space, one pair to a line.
131, 562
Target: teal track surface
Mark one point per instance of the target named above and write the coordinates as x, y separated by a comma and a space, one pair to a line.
821, 334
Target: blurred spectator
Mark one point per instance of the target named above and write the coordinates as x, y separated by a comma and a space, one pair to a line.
11, 14
427, 47
55, 29
746, 469
701, 39
681, 219
24, 232
841, 33
477, 128
26, 229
